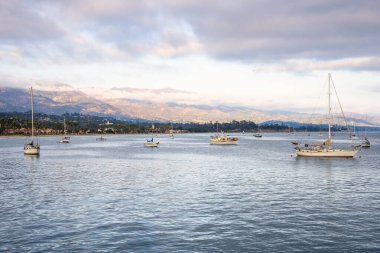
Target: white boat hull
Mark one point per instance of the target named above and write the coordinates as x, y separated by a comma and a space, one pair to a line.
327, 153
32, 151
151, 144
223, 142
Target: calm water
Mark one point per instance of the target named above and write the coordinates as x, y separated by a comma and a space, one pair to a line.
186, 196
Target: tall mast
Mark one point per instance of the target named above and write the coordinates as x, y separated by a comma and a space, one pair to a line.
329, 117
64, 124
31, 102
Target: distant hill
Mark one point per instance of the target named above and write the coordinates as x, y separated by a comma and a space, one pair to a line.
62, 98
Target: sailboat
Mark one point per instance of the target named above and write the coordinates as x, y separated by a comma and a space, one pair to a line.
222, 139
65, 138
150, 142
258, 135
366, 143
353, 135
32, 148
101, 138
325, 149
292, 132
171, 132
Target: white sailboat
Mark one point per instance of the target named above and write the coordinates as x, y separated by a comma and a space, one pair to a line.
172, 132
32, 148
366, 143
325, 149
101, 138
150, 142
222, 139
258, 134
65, 138
353, 134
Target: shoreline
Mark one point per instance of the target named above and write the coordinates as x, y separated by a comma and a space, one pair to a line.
60, 135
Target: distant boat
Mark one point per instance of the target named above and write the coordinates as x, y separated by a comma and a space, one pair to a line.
325, 149
366, 143
171, 132
222, 139
353, 135
258, 135
150, 142
101, 138
32, 148
64, 139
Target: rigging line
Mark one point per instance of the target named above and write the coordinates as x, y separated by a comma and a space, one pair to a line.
340, 105
314, 112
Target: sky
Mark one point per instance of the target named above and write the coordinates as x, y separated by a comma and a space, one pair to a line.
268, 54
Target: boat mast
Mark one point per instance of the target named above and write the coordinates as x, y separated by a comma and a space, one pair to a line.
64, 125
329, 116
31, 102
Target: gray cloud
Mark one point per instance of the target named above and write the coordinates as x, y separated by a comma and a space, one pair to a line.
243, 30
20, 21
272, 30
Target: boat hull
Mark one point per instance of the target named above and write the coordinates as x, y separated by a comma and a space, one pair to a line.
32, 151
223, 142
151, 144
327, 153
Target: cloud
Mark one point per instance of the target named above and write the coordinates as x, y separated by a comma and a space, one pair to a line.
20, 22
305, 65
269, 30
154, 91
325, 32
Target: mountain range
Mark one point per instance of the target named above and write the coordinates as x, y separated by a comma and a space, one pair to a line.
149, 104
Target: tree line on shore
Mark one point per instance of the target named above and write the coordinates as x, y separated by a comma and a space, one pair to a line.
20, 123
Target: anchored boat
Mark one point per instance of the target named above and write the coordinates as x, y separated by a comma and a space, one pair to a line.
325, 148
32, 148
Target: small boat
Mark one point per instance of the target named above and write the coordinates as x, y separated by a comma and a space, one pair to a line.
353, 135
258, 134
150, 142
222, 139
101, 138
295, 142
325, 148
171, 132
64, 139
366, 143
32, 148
